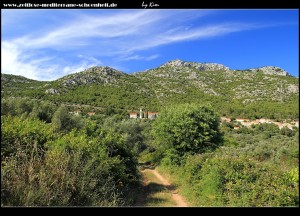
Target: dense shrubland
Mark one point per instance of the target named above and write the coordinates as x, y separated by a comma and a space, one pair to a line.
255, 166
52, 158
68, 162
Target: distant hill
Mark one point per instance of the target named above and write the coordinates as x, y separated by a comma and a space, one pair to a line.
261, 92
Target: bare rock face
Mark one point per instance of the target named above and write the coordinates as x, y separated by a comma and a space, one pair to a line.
199, 66
98, 74
271, 70
211, 67
294, 89
52, 91
105, 71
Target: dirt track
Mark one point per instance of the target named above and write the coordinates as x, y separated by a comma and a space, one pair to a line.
180, 202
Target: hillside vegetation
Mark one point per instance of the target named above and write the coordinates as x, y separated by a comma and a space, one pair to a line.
267, 92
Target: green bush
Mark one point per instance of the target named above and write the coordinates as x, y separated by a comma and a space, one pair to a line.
228, 181
250, 169
21, 134
43, 111
41, 168
63, 121
135, 131
187, 128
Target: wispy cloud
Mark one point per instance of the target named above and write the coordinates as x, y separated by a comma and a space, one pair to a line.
180, 34
90, 59
138, 57
94, 37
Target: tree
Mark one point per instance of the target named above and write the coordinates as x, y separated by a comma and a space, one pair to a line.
43, 111
23, 107
63, 121
187, 128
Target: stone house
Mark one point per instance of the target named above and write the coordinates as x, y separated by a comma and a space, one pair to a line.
152, 115
133, 115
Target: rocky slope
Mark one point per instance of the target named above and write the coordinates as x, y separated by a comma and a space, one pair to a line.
91, 75
199, 66
271, 70
216, 79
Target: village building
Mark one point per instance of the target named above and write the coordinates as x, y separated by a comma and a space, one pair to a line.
152, 115
143, 115
133, 115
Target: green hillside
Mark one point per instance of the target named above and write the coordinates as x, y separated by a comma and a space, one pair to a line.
264, 92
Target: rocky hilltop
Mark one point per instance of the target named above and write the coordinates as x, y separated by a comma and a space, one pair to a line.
270, 70
196, 65
97, 74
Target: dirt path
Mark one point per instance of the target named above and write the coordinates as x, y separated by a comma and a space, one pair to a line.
158, 191
176, 197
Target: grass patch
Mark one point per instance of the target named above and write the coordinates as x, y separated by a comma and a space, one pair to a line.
182, 186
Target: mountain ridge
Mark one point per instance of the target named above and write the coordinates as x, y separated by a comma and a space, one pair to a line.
196, 65
101, 74
177, 63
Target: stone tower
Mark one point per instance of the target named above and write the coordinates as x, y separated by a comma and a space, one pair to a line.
141, 113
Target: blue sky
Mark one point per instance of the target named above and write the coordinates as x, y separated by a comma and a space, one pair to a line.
49, 44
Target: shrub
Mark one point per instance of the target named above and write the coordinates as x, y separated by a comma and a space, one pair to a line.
187, 128
63, 121
43, 168
232, 181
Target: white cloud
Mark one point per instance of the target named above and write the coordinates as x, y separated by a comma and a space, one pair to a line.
11, 62
91, 59
87, 27
15, 61
152, 57
179, 34
138, 57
